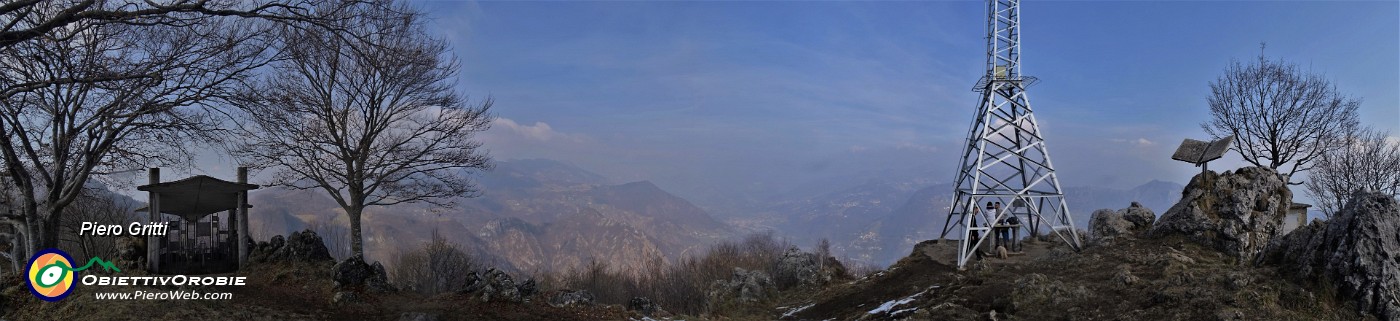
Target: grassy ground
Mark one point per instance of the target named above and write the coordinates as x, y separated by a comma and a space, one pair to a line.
1166, 279
281, 292
1131, 279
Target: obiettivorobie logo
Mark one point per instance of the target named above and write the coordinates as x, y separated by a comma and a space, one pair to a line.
51, 273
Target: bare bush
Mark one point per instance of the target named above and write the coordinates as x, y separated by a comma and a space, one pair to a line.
859, 269
823, 251
1368, 161
337, 237
438, 267
682, 286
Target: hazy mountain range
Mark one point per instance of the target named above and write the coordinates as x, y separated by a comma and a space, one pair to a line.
541, 215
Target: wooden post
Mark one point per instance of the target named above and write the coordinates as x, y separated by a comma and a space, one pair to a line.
243, 237
153, 209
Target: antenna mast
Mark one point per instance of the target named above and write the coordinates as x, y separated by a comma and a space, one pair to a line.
1005, 160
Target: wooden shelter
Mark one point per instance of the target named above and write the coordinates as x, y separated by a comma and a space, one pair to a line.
196, 241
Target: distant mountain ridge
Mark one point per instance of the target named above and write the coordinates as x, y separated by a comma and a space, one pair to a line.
541, 214
533, 215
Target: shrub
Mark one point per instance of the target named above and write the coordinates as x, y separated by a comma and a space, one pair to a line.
438, 267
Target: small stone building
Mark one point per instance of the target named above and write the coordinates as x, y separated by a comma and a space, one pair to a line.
1297, 217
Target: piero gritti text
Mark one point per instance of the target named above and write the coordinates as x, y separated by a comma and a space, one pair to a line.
133, 229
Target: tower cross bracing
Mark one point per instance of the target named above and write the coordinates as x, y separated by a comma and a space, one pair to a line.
1005, 160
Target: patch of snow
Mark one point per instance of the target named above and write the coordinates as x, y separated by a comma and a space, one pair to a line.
890, 305
896, 313
795, 311
894, 303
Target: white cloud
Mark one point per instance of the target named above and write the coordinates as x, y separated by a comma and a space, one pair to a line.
1139, 142
539, 131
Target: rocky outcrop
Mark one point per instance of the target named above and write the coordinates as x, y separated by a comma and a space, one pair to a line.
574, 298
1106, 224
1237, 213
1353, 251
497, 285
354, 273
304, 247
797, 268
263, 250
745, 286
528, 288
644, 306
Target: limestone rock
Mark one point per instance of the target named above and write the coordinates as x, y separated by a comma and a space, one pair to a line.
1353, 251
528, 288
1106, 224
797, 268
304, 246
575, 298
497, 285
354, 273
473, 283
1237, 213
745, 286
344, 297
1140, 216
1124, 275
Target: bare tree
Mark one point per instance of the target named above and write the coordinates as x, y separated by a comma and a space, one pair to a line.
1281, 116
158, 82
1368, 160
372, 122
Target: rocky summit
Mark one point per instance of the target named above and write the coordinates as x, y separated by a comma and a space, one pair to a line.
1353, 251
1237, 212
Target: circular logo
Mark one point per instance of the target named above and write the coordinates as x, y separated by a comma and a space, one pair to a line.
51, 274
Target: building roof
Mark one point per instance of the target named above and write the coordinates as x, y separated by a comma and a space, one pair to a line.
194, 197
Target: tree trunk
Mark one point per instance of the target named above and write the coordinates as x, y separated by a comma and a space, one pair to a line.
48, 232
356, 241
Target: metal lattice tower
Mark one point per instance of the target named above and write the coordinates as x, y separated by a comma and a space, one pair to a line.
1005, 159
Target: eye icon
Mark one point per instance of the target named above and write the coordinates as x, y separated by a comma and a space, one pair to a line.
51, 275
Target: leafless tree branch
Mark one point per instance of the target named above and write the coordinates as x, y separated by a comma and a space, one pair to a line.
1282, 117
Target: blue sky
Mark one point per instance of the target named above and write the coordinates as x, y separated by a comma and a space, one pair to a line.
705, 96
